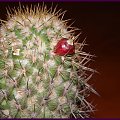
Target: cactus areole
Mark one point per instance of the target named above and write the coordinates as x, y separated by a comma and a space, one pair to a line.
43, 69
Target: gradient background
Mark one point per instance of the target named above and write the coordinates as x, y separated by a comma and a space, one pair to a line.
100, 22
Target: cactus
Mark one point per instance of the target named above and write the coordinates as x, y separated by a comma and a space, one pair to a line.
43, 72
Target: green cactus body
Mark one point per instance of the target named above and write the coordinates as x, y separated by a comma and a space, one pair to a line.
34, 81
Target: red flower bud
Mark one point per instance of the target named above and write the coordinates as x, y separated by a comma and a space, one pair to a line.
64, 48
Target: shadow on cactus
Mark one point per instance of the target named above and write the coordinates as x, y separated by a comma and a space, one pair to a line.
43, 72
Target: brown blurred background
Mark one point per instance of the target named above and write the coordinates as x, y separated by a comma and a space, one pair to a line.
100, 22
